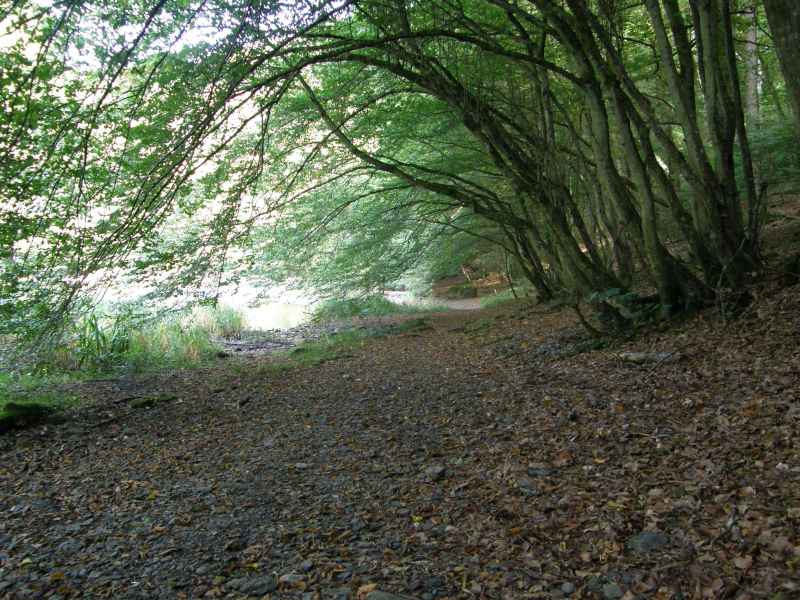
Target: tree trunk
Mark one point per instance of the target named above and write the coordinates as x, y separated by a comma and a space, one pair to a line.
784, 22
751, 72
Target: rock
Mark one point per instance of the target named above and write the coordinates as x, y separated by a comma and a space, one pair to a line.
291, 579
256, 586
595, 584
612, 591
379, 595
649, 357
301, 466
528, 487
306, 566
568, 588
69, 547
647, 541
539, 471
234, 546
435, 472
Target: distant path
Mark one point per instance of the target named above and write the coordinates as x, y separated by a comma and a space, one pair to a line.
409, 299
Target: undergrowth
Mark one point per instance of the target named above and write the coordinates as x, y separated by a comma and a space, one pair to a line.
26, 398
101, 343
341, 344
329, 347
336, 309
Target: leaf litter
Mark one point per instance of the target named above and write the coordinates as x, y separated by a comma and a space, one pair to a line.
480, 456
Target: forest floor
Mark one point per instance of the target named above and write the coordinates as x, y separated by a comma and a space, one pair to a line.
487, 454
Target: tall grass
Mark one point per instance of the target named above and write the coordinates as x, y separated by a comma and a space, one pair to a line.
221, 321
101, 343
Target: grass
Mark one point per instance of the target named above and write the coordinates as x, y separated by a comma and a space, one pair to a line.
101, 343
339, 345
330, 347
337, 309
221, 321
504, 297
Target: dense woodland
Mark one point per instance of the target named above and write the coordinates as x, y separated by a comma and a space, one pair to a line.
607, 150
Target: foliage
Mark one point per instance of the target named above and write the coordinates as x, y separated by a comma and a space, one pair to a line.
344, 146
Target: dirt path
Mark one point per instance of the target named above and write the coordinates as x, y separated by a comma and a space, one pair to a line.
481, 458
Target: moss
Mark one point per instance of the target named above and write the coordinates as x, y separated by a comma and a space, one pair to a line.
151, 401
16, 415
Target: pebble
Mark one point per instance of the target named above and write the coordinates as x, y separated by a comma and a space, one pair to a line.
528, 487
647, 541
612, 591
291, 578
255, 586
537, 471
306, 566
379, 595
568, 588
435, 472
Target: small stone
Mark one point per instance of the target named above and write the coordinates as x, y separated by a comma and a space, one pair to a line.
69, 547
611, 591
234, 546
343, 594
538, 471
301, 466
306, 566
435, 472
379, 595
291, 579
568, 588
259, 586
647, 541
528, 487
595, 584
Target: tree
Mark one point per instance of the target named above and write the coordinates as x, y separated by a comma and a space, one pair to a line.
784, 22
542, 119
